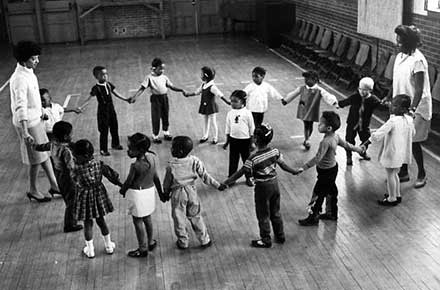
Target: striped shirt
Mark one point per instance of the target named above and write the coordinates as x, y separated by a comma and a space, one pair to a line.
261, 165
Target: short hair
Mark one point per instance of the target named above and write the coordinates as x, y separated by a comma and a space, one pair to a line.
263, 134
259, 71
25, 49
156, 62
43, 91
332, 119
208, 72
311, 74
367, 83
241, 95
140, 142
409, 37
83, 148
181, 146
97, 69
61, 129
403, 102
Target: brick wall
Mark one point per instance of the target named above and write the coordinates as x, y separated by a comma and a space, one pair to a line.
341, 16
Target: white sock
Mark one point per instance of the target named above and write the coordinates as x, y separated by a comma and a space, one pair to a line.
155, 136
166, 133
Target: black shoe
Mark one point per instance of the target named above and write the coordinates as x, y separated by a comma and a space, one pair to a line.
329, 217
260, 244
203, 140
180, 247
119, 147
104, 153
280, 240
311, 220
53, 192
399, 198
43, 199
157, 141
137, 253
306, 145
169, 137
152, 246
404, 177
207, 245
385, 202
73, 228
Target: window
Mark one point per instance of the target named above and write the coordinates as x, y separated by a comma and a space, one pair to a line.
432, 5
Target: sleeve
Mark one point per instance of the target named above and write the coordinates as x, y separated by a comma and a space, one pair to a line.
418, 67
248, 165
94, 91
167, 180
43, 147
146, 82
346, 145
251, 123
380, 133
273, 93
68, 159
323, 148
247, 89
110, 174
328, 98
215, 90
112, 86
168, 82
346, 102
203, 174
20, 89
292, 95
228, 124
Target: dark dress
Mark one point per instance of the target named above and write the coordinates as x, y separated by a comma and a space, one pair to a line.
92, 199
208, 105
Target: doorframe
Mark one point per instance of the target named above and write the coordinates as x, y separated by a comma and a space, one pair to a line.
5, 20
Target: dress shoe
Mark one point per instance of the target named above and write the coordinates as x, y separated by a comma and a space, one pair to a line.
386, 202
420, 182
119, 147
43, 199
207, 245
260, 244
167, 137
104, 153
152, 246
137, 253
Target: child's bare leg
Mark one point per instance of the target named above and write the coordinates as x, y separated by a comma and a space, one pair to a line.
102, 225
149, 227
391, 183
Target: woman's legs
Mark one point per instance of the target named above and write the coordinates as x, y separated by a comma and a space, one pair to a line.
393, 184
47, 166
418, 156
33, 175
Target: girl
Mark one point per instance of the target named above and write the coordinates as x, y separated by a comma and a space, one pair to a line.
309, 103
140, 190
208, 107
396, 137
239, 130
92, 200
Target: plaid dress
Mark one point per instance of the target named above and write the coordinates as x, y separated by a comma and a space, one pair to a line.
92, 200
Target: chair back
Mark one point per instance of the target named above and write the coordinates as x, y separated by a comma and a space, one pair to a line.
326, 39
388, 74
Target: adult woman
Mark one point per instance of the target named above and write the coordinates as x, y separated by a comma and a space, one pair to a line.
26, 117
411, 78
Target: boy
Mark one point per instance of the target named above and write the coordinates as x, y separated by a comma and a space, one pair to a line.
261, 165
52, 112
158, 84
258, 93
362, 104
179, 186
107, 119
325, 186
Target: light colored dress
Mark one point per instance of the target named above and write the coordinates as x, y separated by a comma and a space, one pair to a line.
396, 141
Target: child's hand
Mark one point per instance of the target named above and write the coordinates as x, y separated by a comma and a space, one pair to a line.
122, 193
252, 147
77, 111
298, 171
132, 100
336, 105
283, 102
164, 197
44, 117
222, 187
225, 146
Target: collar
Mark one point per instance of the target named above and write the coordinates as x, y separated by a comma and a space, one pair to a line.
104, 84
210, 83
24, 69
315, 86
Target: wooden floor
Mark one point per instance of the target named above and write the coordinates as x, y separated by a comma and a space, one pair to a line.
369, 247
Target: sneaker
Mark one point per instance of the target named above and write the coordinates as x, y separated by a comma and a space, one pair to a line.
207, 245
386, 202
73, 228
311, 220
214, 141
326, 216
110, 248
168, 137
399, 198
119, 147
260, 244
137, 253
349, 162
157, 141
420, 182
104, 153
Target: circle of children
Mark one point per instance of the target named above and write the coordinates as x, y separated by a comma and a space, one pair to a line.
79, 175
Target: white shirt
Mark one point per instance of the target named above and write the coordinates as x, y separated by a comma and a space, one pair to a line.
55, 114
257, 96
157, 84
240, 123
213, 89
405, 68
25, 96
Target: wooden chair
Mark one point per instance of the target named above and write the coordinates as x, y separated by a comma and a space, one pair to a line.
351, 73
432, 72
347, 61
384, 84
312, 56
308, 49
325, 65
295, 33
436, 90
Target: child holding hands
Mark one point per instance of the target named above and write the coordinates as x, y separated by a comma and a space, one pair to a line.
140, 190
261, 165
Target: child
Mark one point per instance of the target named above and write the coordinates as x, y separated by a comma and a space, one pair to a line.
261, 165
310, 100
208, 106
52, 112
258, 93
107, 119
92, 200
239, 130
179, 185
158, 84
327, 168
63, 165
139, 188
362, 105
396, 146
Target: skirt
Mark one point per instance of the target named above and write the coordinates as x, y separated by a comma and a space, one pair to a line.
141, 202
28, 155
422, 127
